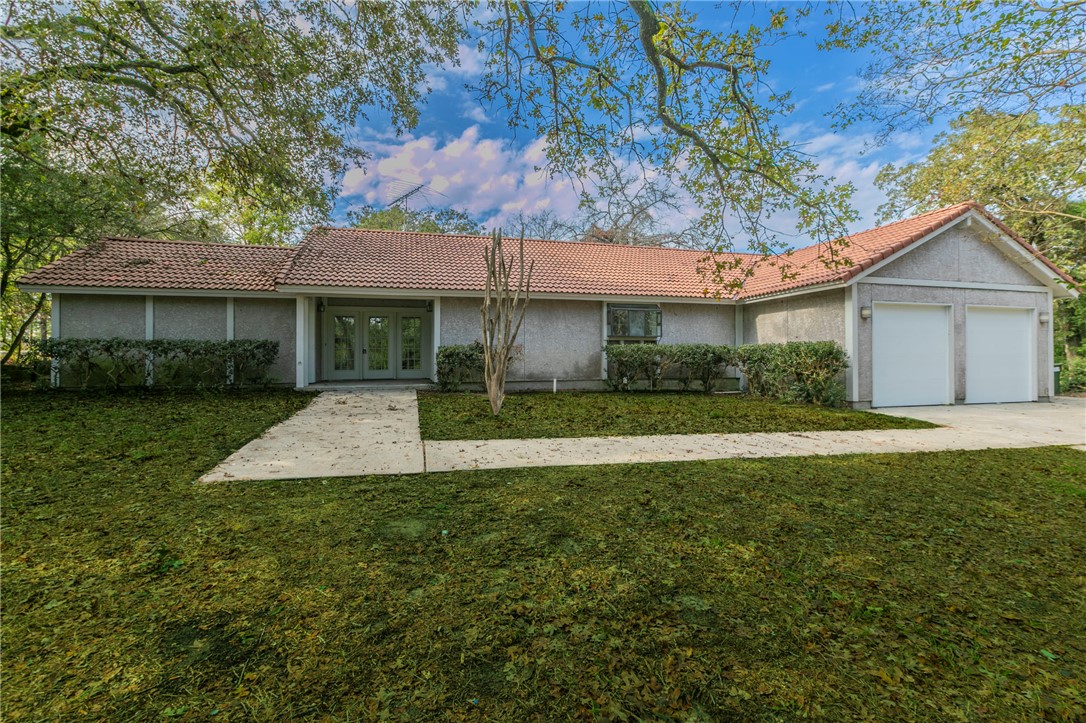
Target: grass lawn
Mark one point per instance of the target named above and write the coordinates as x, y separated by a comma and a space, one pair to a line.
601, 414
928, 586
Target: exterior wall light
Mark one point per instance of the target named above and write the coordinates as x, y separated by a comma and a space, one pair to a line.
865, 312
1044, 317
320, 307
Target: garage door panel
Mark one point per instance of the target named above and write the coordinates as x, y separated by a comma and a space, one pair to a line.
910, 355
999, 350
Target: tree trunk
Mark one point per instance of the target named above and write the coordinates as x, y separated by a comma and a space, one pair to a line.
18, 340
508, 284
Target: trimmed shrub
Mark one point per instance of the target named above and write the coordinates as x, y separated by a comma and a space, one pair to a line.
629, 365
459, 363
118, 363
797, 371
1073, 375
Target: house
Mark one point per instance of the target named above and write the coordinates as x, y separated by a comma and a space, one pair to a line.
946, 307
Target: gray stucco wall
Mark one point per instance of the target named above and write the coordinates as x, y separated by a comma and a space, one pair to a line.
90, 316
960, 253
190, 317
698, 323
561, 339
810, 317
867, 294
269, 319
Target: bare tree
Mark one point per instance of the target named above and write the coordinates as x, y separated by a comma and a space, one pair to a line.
508, 285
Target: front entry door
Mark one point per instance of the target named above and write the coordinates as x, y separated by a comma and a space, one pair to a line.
377, 345
365, 343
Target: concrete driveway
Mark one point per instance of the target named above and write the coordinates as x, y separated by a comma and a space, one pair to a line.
376, 431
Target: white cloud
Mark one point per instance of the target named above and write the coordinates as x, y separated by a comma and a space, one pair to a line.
824, 87
489, 178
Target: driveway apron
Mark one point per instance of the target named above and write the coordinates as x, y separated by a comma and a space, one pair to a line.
341, 433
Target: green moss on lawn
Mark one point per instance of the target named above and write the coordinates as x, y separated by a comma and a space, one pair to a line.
601, 414
877, 587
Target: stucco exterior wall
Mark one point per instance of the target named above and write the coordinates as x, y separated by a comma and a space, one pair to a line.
190, 317
959, 299
809, 317
460, 320
698, 324
93, 316
269, 319
561, 339
961, 253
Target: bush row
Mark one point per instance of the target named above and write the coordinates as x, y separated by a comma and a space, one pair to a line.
798, 371
630, 365
120, 362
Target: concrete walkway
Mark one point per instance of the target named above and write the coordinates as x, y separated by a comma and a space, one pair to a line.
376, 432
340, 434
1062, 422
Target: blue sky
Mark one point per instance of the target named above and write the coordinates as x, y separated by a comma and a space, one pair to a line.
473, 161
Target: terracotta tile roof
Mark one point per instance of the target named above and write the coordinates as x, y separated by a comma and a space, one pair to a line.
397, 260
814, 265
363, 259
138, 263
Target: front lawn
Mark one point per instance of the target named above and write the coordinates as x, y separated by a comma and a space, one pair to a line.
603, 414
926, 586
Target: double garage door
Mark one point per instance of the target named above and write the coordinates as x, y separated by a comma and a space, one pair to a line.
913, 354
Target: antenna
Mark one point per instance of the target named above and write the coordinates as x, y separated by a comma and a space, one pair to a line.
405, 196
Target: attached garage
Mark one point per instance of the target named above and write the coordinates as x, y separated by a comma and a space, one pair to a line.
911, 355
999, 353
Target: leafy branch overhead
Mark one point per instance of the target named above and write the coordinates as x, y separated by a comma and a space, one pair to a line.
644, 86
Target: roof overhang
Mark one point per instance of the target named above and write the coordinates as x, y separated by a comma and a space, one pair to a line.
126, 291
383, 293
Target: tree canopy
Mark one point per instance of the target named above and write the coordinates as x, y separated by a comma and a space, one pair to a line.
944, 58
1027, 170
652, 87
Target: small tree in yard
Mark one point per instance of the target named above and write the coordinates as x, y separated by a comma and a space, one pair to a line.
508, 282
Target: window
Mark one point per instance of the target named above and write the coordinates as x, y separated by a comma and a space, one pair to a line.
628, 323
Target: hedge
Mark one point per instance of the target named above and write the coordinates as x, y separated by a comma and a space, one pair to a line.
799, 371
458, 364
118, 362
628, 365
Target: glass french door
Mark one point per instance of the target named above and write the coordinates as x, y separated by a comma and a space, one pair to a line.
375, 344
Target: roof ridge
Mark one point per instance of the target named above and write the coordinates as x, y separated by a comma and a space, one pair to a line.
526, 238
194, 242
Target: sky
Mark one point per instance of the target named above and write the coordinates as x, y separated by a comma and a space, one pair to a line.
469, 159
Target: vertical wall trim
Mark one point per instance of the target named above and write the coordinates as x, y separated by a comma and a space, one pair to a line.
149, 333
603, 340
436, 334
148, 317
54, 331
1051, 356
300, 372
311, 335
853, 371
740, 331
230, 336
229, 318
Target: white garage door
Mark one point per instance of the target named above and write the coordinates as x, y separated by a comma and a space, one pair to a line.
910, 355
999, 353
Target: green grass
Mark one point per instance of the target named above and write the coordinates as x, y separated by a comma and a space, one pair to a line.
602, 414
880, 587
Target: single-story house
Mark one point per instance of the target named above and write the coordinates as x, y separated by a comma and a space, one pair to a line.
946, 307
